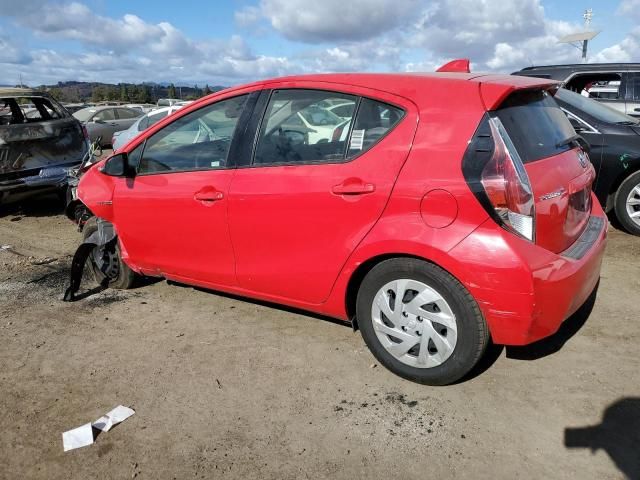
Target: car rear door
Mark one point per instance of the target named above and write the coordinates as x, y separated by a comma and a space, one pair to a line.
172, 217
304, 203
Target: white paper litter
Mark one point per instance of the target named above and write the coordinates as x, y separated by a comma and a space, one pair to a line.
112, 418
83, 436
78, 437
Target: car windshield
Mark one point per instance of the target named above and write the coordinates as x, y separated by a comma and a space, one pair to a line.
597, 110
84, 114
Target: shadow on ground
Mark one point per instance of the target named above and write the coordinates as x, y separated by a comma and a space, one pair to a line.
35, 205
618, 434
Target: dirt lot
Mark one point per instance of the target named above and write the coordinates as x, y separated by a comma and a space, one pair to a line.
225, 388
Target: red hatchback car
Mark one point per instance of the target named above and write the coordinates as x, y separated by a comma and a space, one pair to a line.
436, 210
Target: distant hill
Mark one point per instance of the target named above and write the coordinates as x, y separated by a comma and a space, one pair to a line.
146, 92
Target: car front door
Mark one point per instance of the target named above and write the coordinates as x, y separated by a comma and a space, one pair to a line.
304, 203
172, 216
104, 123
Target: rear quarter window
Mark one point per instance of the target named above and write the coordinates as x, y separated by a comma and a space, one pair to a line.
536, 124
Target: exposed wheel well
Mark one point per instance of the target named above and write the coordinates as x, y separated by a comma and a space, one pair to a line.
359, 274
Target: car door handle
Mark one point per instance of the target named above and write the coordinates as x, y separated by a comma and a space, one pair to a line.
353, 186
208, 195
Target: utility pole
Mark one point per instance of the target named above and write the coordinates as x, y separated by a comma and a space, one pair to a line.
587, 15
580, 40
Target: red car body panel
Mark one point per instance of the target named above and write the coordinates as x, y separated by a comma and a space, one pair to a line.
285, 236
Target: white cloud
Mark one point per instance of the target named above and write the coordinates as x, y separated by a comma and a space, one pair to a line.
336, 20
629, 8
338, 35
628, 50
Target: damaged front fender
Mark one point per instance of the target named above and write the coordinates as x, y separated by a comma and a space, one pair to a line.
102, 238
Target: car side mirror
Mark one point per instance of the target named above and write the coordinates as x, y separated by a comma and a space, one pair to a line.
98, 120
118, 166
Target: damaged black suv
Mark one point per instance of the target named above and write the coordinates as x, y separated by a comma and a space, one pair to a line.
39, 142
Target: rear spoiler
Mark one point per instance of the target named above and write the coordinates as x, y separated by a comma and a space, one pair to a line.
495, 88
459, 65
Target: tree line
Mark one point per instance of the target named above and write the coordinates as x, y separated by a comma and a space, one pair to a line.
76, 92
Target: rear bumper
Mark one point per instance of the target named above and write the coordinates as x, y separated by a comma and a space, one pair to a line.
524, 291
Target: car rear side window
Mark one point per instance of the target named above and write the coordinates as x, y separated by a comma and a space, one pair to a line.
125, 113
105, 115
373, 121
536, 124
199, 140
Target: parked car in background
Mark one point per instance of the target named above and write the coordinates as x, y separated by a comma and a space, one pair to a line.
622, 81
74, 107
433, 224
614, 139
37, 149
122, 137
168, 102
143, 107
104, 121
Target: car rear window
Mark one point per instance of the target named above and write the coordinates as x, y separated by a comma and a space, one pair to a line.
16, 110
536, 124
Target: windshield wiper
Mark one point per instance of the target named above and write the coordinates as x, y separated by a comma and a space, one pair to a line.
627, 122
567, 141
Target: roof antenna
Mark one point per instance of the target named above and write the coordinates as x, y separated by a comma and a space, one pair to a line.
580, 40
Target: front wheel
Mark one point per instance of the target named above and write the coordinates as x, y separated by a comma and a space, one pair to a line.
420, 322
627, 204
106, 262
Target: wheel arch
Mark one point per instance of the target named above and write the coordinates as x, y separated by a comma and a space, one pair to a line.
634, 167
356, 278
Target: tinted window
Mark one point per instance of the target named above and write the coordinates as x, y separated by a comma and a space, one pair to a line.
373, 121
156, 118
124, 113
105, 115
143, 123
343, 110
197, 141
597, 110
536, 125
634, 86
298, 127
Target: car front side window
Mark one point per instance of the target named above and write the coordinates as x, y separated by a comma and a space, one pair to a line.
199, 140
298, 127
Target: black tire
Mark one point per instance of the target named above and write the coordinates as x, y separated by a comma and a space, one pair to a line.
472, 332
620, 205
120, 276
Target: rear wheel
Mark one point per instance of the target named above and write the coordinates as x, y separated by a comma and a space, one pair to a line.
420, 322
106, 262
627, 204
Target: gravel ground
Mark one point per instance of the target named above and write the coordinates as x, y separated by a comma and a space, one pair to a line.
226, 388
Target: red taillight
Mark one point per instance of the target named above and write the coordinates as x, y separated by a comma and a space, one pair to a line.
85, 132
506, 183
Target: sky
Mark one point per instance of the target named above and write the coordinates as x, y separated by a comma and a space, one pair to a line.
231, 42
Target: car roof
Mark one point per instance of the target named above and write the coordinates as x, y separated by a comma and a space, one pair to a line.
411, 85
583, 66
21, 92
